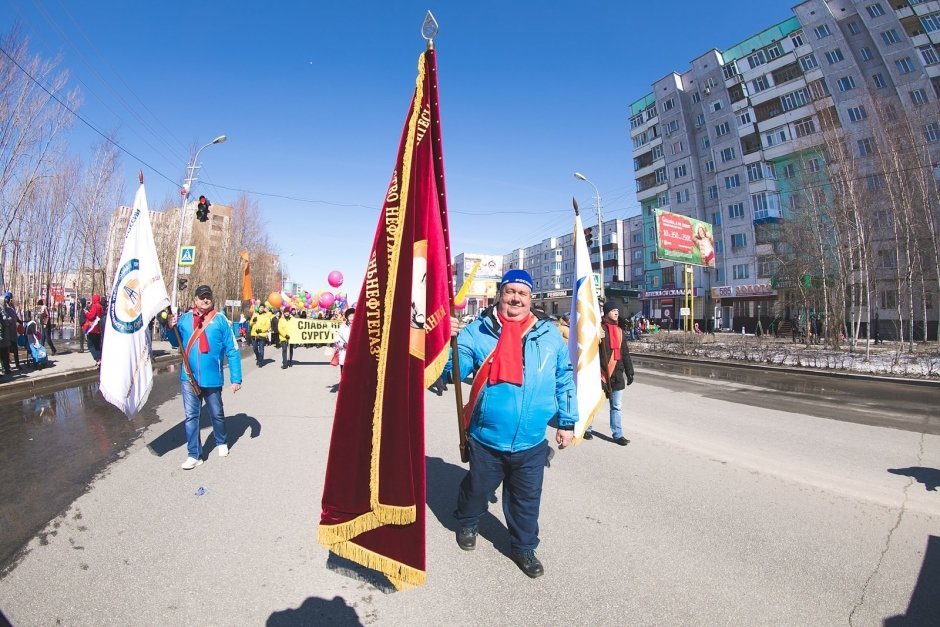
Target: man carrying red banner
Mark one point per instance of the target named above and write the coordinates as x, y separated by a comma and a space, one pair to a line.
524, 380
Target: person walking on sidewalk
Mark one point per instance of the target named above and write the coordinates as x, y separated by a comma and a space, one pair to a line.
287, 349
14, 324
342, 337
523, 380
616, 370
44, 322
260, 329
92, 327
206, 337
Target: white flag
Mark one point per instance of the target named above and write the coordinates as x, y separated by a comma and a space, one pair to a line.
584, 336
138, 294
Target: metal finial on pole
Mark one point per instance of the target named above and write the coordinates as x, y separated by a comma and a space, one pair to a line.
574, 202
429, 29
140, 176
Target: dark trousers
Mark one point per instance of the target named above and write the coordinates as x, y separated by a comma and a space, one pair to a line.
5, 359
287, 353
259, 343
521, 474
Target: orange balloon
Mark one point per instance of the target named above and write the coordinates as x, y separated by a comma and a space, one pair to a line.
275, 299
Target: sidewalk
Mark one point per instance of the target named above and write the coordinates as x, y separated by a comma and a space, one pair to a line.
68, 363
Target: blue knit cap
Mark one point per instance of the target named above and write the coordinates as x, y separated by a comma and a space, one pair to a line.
517, 276
8, 295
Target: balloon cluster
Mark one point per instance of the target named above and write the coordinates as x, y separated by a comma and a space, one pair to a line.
323, 300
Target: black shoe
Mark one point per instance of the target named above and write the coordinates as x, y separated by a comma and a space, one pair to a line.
622, 441
467, 538
283, 366
528, 563
588, 435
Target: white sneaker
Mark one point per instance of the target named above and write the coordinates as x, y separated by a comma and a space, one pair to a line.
223, 450
190, 463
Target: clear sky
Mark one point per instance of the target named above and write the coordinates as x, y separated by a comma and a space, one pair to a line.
313, 96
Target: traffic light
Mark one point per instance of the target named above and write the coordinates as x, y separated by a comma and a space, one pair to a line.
589, 236
181, 283
202, 209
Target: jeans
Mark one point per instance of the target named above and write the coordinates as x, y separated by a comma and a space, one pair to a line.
94, 345
616, 405
521, 474
287, 348
259, 343
192, 406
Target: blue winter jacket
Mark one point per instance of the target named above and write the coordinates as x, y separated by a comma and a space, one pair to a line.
510, 417
207, 367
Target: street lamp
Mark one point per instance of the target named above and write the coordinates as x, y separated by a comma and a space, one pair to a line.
600, 226
190, 177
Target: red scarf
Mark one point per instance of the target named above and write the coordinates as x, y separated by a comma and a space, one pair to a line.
507, 357
615, 334
198, 320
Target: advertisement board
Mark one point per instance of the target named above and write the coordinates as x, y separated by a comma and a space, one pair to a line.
685, 240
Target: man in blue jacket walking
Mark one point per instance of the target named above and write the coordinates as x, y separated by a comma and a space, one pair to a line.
523, 380
207, 336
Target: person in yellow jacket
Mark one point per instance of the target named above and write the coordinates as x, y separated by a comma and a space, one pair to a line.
283, 331
260, 327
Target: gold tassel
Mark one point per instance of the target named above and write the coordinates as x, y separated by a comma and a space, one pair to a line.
402, 576
432, 371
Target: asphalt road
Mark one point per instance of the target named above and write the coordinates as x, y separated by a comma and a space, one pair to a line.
717, 512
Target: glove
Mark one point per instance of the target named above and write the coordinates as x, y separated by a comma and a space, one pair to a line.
286, 337
629, 379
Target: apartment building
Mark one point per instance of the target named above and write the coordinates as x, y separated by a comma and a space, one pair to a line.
736, 140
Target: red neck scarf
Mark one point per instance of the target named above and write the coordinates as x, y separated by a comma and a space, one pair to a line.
199, 319
507, 357
615, 335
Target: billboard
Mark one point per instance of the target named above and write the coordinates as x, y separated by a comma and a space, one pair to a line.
684, 239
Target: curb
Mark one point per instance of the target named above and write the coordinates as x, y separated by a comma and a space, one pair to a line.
789, 369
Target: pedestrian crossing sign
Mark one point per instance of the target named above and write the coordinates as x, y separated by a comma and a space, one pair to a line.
187, 255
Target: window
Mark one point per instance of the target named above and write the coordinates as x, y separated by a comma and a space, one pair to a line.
742, 271
706, 142
875, 10
677, 148
657, 152
819, 88
797, 39
758, 58
789, 171
712, 192
638, 271
767, 267
669, 104
776, 136
696, 97
865, 53
882, 219
722, 129
716, 218
736, 210
663, 199
932, 132
700, 120
732, 181
765, 205
874, 182
804, 127
716, 106
759, 84
710, 83
854, 28
834, 56
744, 118
905, 65
729, 70
738, 241
888, 259
637, 255
761, 170
846, 83
680, 171
888, 299
682, 196
728, 154
822, 31
813, 165
879, 81
774, 52
890, 37
929, 55
919, 97
661, 176
709, 166
930, 22
653, 260
794, 99
866, 147
808, 62
719, 248
671, 127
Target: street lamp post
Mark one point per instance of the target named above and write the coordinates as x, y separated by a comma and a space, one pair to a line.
190, 177
600, 227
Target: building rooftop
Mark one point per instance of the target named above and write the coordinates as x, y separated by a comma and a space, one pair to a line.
764, 38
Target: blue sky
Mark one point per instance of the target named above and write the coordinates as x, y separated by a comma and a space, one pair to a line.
313, 95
